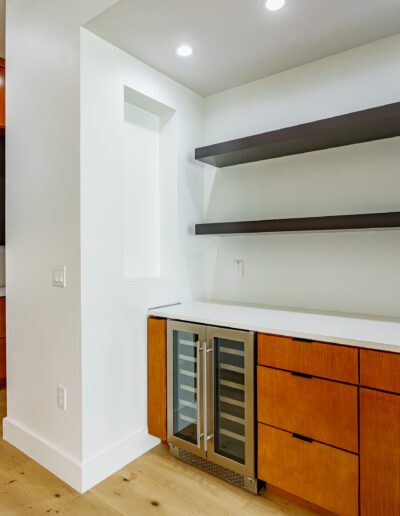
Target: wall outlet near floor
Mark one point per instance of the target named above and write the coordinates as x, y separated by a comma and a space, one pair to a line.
61, 397
60, 276
238, 268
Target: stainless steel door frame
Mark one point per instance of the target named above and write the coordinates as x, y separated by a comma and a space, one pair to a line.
199, 330
248, 468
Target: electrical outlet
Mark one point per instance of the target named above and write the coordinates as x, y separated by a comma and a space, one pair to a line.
60, 276
61, 397
238, 268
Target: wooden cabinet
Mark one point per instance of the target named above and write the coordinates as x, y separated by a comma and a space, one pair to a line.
320, 474
2, 93
311, 430
315, 358
379, 453
157, 377
328, 419
380, 370
2, 317
322, 410
3, 362
3, 372
379, 433
308, 438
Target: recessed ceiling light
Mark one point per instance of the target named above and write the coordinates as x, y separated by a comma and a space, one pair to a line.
184, 51
274, 5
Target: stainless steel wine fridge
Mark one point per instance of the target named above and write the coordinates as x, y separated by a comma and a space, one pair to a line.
211, 400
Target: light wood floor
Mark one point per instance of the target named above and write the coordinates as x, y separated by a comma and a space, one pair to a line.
154, 484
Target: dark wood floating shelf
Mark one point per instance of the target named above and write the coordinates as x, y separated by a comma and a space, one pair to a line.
357, 127
336, 222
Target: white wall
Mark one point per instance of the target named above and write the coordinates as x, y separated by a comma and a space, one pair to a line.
43, 228
350, 272
113, 307
65, 205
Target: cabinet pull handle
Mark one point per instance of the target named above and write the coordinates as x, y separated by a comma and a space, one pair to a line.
299, 339
302, 375
303, 438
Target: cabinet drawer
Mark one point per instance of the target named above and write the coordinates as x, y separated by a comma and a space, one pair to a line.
323, 410
316, 358
315, 472
380, 370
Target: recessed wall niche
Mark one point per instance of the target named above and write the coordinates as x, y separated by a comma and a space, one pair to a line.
150, 187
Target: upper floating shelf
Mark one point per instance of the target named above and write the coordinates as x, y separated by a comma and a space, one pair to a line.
329, 223
357, 127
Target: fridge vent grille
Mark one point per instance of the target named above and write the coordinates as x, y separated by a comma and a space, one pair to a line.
215, 469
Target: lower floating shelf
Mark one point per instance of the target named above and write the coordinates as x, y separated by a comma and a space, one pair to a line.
330, 223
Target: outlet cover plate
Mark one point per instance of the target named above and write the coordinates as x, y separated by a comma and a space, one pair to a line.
238, 268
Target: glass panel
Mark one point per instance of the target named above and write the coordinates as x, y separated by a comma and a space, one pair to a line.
186, 371
229, 402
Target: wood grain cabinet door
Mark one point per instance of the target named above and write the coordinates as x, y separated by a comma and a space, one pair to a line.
2, 317
2, 94
379, 453
3, 362
157, 377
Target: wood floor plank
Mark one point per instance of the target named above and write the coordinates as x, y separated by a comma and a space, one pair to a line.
155, 483
178, 487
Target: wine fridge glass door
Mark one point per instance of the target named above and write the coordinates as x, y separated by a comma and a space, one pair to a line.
230, 435
185, 343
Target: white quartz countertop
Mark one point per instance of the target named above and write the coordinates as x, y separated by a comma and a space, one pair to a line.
340, 329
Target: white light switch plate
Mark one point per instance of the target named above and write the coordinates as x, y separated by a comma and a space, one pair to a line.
59, 276
61, 397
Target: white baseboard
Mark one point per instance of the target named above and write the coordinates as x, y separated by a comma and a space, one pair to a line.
102, 466
80, 476
50, 457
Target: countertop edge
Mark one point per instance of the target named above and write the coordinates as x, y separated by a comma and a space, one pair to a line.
173, 313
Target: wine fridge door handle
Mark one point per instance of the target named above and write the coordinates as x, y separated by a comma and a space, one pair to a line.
198, 390
207, 353
205, 395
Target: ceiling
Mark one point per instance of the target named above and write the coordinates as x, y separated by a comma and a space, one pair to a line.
238, 41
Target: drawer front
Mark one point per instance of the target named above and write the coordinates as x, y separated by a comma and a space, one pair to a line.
323, 410
380, 370
316, 358
315, 472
